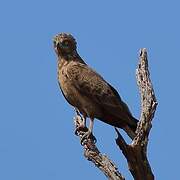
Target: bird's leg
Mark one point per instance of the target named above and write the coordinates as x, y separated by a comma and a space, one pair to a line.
89, 133
82, 125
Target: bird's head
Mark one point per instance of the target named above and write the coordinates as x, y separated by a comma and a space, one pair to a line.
64, 44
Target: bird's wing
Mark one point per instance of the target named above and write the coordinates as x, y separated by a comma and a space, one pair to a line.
91, 84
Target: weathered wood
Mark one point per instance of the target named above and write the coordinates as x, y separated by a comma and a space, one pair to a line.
136, 152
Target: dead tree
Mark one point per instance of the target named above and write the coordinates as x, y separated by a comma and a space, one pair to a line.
136, 152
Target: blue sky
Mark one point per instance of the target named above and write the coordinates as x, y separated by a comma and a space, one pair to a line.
37, 138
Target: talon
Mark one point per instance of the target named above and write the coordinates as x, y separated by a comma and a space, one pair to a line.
88, 135
80, 128
85, 136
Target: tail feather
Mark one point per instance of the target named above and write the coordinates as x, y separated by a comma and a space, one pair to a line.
134, 125
129, 132
130, 129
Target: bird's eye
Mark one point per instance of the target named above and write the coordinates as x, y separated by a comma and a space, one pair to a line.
66, 43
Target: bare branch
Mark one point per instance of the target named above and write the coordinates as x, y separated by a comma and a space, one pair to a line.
92, 154
148, 100
136, 152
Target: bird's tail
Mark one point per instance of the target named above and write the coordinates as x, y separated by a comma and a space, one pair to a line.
131, 128
134, 125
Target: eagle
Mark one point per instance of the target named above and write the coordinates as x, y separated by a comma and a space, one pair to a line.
87, 91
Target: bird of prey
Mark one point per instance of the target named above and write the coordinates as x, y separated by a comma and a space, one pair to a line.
87, 91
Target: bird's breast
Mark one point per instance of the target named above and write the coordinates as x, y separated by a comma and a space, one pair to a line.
66, 83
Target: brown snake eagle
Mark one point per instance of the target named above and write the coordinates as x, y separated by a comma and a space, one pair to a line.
87, 91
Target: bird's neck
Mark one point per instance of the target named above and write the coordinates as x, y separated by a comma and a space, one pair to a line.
71, 56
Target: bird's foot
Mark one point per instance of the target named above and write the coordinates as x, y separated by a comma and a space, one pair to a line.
80, 128
88, 135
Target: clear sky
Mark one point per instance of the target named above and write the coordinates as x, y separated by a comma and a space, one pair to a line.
37, 140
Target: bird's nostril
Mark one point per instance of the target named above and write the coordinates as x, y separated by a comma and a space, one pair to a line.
57, 44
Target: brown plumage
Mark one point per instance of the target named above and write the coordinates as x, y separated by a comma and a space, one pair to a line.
87, 91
